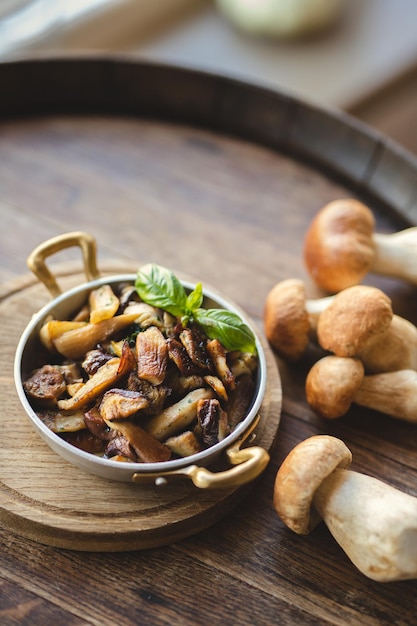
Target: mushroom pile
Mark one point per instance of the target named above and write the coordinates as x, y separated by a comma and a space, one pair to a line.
368, 357
369, 353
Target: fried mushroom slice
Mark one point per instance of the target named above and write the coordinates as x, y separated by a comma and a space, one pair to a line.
240, 399
218, 387
62, 423
147, 448
179, 355
212, 420
184, 444
152, 355
96, 424
218, 356
105, 378
177, 417
95, 359
119, 447
46, 385
194, 344
121, 403
156, 396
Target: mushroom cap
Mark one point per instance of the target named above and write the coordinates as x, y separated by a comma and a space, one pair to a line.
301, 474
286, 320
338, 248
353, 318
332, 383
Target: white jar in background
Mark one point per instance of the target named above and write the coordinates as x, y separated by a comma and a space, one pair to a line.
281, 18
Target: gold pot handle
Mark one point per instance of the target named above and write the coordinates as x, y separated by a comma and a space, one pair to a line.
248, 464
36, 260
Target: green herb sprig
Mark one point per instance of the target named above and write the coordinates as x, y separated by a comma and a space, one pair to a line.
159, 287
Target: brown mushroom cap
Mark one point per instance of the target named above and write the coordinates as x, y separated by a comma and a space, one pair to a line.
353, 318
286, 320
338, 247
332, 383
301, 474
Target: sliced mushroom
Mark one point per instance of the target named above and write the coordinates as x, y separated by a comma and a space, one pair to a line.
103, 304
212, 420
218, 387
106, 376
119, 404
240, 399
62, 423
218, 356
152, 355
94, 359
195, 347
178, 416
46, 385
75, 343
184, 444
147, 447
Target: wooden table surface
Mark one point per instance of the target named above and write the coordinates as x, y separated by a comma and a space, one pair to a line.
218, 180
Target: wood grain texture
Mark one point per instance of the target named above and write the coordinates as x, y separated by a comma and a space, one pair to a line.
173, 167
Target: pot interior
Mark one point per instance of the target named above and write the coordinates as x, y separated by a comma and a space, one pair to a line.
66, 305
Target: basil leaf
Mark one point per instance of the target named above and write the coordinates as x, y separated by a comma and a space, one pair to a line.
227, 327
194, 299
159, 287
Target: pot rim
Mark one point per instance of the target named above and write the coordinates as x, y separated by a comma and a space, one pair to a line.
165, 466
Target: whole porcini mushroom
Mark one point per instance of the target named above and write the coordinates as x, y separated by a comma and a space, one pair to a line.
334, 383
359, 321
341, 247
353, 318
374, 523
290, 319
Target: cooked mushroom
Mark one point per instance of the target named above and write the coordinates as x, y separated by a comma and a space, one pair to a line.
335, 383
341, 247
61, 422
46, 385
105, 377
152, 355
147, 448
103, 304
219, 359
177, 417
75, 343
117, 404
290, 319
184, 444
375, 524
212, 421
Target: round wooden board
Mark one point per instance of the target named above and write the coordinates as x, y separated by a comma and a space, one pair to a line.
48, 500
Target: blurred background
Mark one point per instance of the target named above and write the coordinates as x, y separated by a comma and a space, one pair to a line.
359, 56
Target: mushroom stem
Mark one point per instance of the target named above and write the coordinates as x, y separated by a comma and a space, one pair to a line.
392, 393
375, 524
396, 254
